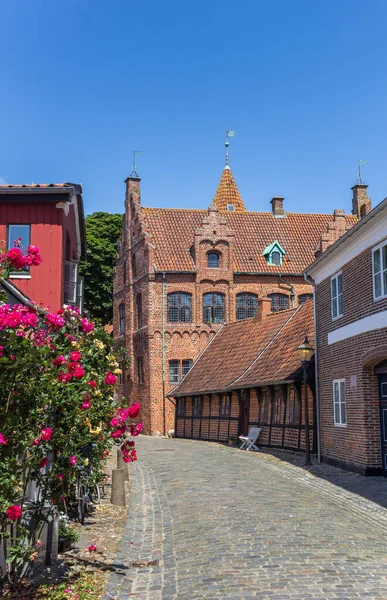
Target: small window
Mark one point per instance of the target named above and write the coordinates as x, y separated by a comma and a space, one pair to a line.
339, 405
174, 371
71, 281
19, 235
213, 308
224, 405
122, 318
246, 305
186, 366
139, 310
379, 271
140, 370
279, 302
213, 260
230, 207
181, 407
179, 307
275, 258
197, 406
337, 296
304, 297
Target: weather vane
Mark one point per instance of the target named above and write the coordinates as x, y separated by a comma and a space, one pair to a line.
359, 179
229, 133
134, 171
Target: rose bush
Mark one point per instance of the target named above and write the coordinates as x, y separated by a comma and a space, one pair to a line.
58, 374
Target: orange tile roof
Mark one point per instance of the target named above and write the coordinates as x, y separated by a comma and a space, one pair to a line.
172, 232
6, 186
228, 193
247, 353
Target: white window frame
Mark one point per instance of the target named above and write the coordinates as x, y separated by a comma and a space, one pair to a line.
340, 423
383, 288
336, 277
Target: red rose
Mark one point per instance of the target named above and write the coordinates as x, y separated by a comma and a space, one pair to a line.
75, 356
14, 512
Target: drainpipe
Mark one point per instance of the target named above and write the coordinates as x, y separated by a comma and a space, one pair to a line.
312, 282
163, 347
292, 294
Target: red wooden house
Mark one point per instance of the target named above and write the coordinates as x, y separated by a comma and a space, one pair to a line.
49, 216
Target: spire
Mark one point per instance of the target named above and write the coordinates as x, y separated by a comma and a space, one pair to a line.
227, 197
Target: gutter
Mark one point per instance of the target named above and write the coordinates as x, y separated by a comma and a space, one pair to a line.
266, 273
311, 281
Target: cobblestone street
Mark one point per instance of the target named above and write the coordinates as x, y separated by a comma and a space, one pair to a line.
226, 524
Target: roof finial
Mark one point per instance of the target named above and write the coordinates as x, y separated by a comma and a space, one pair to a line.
134, 171
229, 133
359, 179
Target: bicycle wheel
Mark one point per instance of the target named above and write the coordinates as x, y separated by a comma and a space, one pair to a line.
82, 509
95, 494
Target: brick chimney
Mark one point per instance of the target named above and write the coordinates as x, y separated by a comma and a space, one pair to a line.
277, 204
133, 192
361, 203
264, 309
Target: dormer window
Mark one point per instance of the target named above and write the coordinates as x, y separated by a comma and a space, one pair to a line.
213, 260
274, 253
230, 207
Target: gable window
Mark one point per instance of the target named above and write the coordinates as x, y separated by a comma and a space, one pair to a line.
379, 270
197, 406
274, 253
139, 310
213, 308
278, 302
179, 307
174, 371
213, 260
181, 407
339, 405
140, 369
246, 305
230, 207
337, 296
304, 297
186, 366
21, 234
122, 318
224, 405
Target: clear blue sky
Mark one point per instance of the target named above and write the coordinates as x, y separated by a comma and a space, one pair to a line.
304, 85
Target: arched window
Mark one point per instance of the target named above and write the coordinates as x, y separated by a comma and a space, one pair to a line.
304, 297
275, 258
213, 308
139, 311
179, 307
246, 305
213, 260
121, 311
134, 266
278, 302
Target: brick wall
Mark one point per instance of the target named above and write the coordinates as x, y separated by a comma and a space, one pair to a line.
357, 444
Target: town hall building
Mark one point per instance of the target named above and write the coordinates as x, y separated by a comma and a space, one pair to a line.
182, 273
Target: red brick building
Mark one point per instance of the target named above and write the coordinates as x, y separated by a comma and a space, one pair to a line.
351, 325
251, 375
49, 216
181, 273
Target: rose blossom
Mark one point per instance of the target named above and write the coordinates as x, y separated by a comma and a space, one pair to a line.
92, 384
110, 379
3, 440
86, 405
73, 460
13, 512
75, 356
92, 548
46, 434
60, 476
60, 360
114, 422
134, 410
87, 326
43, 463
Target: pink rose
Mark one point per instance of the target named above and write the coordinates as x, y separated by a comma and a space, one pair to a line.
92, 548
3, 440
75, 356
114, 422
60, 360
60, 476
73, 460
134, 410
43, 463
46, 434
86, 405
110, 379
92, 384
87, 326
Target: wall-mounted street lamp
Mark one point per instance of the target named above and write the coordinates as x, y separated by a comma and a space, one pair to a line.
305, 352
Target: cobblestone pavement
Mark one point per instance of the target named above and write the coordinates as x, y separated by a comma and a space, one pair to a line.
225, 524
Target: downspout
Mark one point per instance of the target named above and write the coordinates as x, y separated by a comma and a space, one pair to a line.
312, 282
292, 294
163, 347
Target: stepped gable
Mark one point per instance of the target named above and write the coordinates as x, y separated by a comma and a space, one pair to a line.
230, 353
227, 193
173, 232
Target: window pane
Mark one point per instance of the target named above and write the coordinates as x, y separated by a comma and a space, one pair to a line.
342, 391
185, 299
213, 260
219, 299
340, 301
343, 414
252, 300
218, 314
173, 315
207, 299
185, 315
241, 313
304, 297
275, 258
334, 307
173, 299
337, 413
207, 312
376, 261
19, 231
241, 299
334, 287
186, 366
174, 371
378, 285
340, 284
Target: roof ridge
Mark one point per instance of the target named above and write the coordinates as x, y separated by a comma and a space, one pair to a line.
246, 212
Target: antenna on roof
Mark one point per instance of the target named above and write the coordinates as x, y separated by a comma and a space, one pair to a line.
134, 171
359, 179
229, 133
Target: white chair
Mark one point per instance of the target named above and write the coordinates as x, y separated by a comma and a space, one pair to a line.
248, 441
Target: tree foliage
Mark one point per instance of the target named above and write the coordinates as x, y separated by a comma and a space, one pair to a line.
102, 236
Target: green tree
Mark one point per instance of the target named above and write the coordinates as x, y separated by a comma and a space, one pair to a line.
102, 236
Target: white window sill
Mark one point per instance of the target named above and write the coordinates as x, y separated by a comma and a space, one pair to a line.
19, 276
380, 298
337, 318
340, 425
